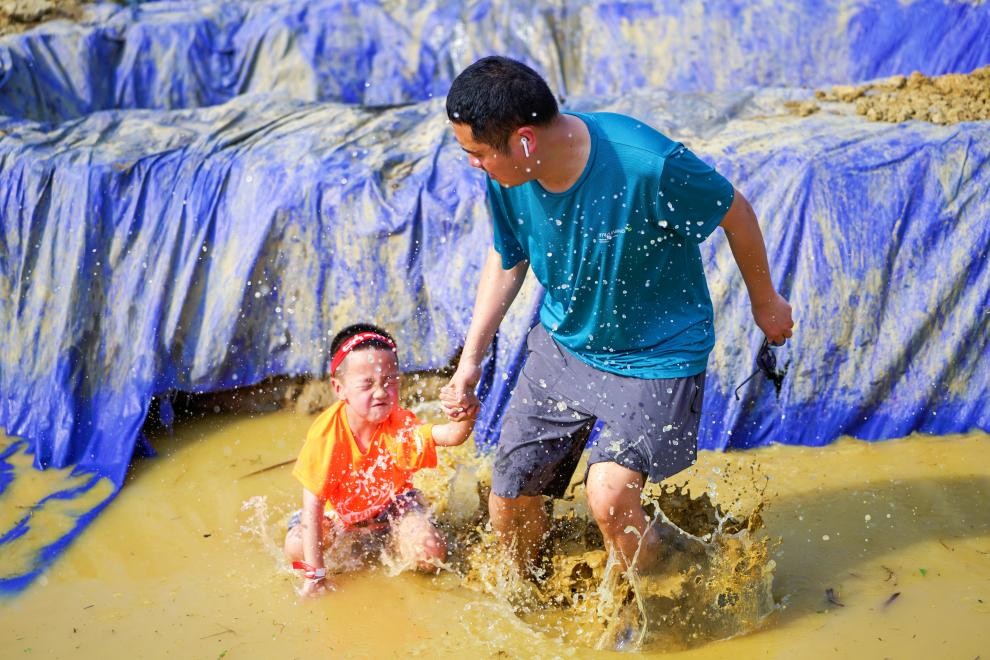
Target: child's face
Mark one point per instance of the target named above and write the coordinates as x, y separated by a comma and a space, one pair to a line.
368, 381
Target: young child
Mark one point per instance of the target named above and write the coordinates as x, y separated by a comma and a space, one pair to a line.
358, 459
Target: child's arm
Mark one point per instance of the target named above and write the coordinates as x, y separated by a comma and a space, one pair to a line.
312, 539
452, 434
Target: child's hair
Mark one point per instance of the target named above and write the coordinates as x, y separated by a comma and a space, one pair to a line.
353, 330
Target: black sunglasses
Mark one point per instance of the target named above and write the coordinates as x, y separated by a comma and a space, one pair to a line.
766, 362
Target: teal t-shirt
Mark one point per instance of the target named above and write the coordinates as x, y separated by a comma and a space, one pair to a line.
618, 252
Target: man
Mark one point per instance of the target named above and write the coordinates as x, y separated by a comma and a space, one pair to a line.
609, 214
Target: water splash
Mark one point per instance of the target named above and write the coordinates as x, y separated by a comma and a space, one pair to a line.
713, 581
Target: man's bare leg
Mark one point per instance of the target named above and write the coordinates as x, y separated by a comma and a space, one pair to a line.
520, 523
614, 499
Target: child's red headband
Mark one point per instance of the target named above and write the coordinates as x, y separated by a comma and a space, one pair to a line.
353, 343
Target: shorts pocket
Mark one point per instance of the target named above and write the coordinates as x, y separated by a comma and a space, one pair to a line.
544, 364
699, 396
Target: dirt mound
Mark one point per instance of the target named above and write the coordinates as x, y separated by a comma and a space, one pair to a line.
948, 99
20, 15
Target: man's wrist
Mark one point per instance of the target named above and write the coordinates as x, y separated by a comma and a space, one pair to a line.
468, 374
763, 299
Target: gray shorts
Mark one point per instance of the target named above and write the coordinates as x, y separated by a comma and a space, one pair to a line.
650, 426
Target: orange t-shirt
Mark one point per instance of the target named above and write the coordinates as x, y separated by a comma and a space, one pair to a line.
356, 486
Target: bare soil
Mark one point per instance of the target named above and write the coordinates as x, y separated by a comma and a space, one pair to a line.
948, 99
20, 15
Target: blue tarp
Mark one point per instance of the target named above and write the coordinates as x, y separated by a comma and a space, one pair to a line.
208, 249
197, 196
183, 54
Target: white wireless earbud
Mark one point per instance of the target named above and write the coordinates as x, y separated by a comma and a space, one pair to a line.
525, 145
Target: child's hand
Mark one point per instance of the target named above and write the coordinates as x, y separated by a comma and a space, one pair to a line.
316, 588
457, 398
457, 404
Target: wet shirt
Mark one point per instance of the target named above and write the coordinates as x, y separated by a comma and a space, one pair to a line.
358, 486
618, 252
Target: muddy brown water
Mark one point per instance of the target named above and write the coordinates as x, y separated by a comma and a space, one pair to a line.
856, 549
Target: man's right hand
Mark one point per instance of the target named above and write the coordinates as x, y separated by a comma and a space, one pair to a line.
457, 398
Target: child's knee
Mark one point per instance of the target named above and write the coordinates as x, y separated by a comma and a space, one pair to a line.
420, 543
430, 552
435, 547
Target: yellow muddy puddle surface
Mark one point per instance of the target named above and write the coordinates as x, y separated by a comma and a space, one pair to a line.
866, 550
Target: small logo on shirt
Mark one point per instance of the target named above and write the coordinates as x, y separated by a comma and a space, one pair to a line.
606, 236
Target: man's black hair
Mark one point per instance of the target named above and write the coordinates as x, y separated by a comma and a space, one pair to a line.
356, 329
495, 96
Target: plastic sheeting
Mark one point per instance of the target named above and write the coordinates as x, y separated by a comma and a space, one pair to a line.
173, 54
211, 248
192, 200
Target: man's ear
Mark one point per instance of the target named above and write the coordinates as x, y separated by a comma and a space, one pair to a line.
529, 135
337, 386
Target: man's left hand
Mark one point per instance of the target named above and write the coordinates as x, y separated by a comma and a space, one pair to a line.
773, 317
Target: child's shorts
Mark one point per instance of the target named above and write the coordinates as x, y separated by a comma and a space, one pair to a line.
649, 426
406, 502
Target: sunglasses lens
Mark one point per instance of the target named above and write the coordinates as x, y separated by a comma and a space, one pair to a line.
766, 360
766, 363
